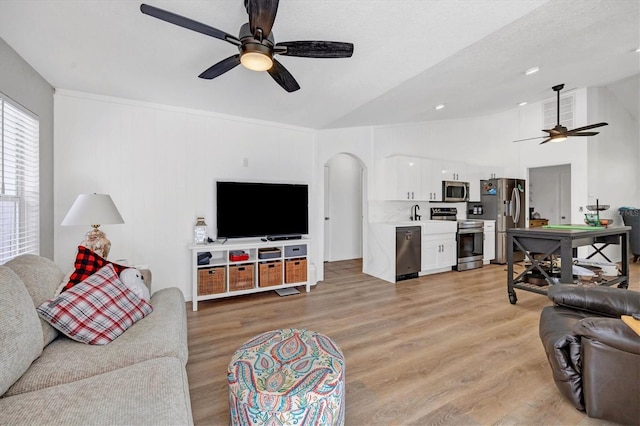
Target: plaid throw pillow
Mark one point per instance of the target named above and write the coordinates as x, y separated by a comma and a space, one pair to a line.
87, 263
97, 310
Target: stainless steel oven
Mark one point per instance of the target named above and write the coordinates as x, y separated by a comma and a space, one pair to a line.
470, 242
469, 238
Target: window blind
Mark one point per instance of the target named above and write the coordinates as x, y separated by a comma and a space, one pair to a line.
19, 181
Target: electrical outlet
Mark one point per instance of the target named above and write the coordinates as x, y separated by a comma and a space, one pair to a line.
581, 209
245, 162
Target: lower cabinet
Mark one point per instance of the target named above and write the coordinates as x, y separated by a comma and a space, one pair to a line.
438, 253
230, 269
489, 246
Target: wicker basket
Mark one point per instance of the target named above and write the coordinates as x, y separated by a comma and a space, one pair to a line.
241, 277
295, 271
211, 280
269, 273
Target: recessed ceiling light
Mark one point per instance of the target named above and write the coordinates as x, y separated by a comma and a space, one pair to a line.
523, 103
532, 70
440, 106
637, 50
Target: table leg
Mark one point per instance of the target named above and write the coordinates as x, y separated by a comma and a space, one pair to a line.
510, 291
624, 254
566, 270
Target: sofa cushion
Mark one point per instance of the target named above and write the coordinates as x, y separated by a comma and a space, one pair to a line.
97, 310
41, 277
20, 330
153, 392
160, 334
88, 263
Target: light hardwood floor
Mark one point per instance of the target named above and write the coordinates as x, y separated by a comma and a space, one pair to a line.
441, 349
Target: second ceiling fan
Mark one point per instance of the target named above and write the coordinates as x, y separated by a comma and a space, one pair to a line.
256, 44
559, 133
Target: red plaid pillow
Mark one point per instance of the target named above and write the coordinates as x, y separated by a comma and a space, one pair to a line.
87, 263
95, 311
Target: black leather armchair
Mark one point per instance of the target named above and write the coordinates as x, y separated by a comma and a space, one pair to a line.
594, 356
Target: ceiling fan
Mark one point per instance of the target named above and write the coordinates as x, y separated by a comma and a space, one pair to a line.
559, 133
255, 43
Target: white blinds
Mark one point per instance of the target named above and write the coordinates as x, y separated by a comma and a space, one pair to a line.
19, 181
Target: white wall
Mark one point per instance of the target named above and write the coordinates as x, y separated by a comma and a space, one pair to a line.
614, 166
160, 165
25, 86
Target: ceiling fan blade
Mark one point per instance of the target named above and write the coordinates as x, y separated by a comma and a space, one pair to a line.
530, 139
590, 126
316, 49
283, 77
188, 23
583, 134
545, 141
221, 67
262, 14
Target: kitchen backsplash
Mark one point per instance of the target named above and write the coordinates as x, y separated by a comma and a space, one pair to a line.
396, 211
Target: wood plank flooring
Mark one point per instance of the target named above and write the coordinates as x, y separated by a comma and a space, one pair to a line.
444, 349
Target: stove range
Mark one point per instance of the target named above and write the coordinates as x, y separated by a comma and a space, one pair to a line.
469, 238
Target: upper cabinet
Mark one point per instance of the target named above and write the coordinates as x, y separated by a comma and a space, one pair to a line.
420, 179
431, 180
403, 176
453, 170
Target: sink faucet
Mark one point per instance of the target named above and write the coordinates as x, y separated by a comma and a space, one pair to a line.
414, 212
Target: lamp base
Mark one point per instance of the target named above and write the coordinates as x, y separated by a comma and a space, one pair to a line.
97, 241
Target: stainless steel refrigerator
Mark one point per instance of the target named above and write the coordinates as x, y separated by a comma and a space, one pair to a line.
503, 200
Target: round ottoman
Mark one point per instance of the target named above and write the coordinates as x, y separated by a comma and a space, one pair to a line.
287, 377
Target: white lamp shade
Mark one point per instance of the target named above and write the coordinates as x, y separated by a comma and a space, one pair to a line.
92, 209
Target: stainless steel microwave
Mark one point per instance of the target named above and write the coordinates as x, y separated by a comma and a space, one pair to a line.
454, 191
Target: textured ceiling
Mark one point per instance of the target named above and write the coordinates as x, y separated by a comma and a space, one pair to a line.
408, 56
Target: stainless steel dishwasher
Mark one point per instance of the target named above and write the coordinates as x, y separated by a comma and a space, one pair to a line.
408, 252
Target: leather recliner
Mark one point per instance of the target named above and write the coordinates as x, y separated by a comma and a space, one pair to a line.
594, 356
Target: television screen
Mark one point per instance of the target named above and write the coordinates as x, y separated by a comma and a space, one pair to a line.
246, 209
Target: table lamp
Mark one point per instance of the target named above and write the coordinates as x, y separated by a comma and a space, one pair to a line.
94, 210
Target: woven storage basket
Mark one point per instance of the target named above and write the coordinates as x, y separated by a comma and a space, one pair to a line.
295, 271
241, 277
211, 280
269, 273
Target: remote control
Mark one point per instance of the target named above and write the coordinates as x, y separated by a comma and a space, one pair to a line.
636, 316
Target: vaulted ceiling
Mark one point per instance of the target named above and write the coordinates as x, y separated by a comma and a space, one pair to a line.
409, 56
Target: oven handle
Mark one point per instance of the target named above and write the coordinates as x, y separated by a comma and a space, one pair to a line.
470, 230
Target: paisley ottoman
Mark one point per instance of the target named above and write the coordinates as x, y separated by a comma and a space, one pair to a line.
287, 377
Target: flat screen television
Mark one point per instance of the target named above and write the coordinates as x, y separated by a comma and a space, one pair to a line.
272, 210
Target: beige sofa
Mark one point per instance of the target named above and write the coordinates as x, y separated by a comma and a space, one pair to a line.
47, 378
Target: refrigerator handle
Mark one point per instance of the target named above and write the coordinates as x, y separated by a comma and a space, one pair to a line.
515, 200
516, 196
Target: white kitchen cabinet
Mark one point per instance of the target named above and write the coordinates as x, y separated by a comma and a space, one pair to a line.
492, 172
476, 173
438, 253
403, 178
453, 170
431, 180
489, 246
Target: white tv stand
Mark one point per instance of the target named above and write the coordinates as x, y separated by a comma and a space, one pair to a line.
289, 267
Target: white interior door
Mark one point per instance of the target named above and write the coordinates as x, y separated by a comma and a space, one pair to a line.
327, 218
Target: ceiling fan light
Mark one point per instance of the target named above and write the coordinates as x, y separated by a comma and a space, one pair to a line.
256, 61
558, 138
